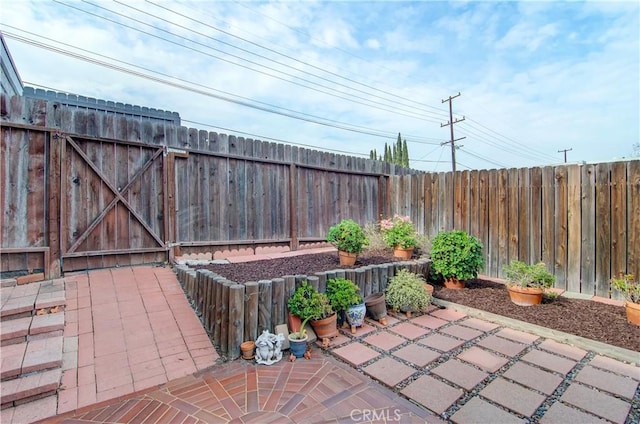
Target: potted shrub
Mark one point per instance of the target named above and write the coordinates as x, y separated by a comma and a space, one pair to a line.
399, 233
526, 283
406, 292
349, 238
345, 299
630, 290
315, 308
457, 256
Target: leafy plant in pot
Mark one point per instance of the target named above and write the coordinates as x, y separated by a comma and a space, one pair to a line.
406, 292
345, 299
400, 234
457, 256
349, 238
630, 290
312, 307
526, 283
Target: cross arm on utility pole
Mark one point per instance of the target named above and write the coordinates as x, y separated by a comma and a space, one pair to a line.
450, 124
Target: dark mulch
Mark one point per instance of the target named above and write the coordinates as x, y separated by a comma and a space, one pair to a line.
585, 318
294, 265
589, 319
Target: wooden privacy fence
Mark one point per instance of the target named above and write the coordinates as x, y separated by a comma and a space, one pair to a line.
232, 312
583, 220
82, 189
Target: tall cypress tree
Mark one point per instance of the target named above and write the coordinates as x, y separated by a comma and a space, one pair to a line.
405, 153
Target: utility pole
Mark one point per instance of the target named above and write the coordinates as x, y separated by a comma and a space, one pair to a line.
565, 153
450, 124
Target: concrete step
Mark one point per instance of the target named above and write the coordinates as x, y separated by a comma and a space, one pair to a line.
32, 299
29, 388
32, 356
21, 330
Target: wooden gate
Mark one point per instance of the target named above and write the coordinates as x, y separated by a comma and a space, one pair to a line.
112, 203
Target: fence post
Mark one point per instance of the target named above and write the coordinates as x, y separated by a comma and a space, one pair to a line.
264, 306
251, 311
278, 302
236, 320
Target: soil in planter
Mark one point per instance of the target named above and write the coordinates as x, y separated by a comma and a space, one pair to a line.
585, 318
592, 320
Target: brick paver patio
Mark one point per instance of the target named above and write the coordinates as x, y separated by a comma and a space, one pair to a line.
141, 355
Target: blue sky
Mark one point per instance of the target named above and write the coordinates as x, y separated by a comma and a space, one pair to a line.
534, 77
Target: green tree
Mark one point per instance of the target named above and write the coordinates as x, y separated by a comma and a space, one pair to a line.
397, 153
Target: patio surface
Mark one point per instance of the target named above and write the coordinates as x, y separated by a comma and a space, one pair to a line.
142, 356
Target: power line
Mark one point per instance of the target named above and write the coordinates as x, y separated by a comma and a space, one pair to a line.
331, 91
223, 96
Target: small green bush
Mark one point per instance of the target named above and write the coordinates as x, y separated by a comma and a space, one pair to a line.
347, 236
456, 254
520, 274
342, 293
306, 302
629, 288
406, 292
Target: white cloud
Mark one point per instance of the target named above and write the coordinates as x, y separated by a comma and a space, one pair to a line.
539, 75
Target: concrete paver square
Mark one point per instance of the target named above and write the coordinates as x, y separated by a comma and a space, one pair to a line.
572, 352
355, 353
384, 340
461, 332
409, 330
533, 377
480, 411
607, 381
448, 314
618, 367
559, 413
429, 321
389, 371
518, 336
432, 393
549, 361
460, 373
479, 324
483, 359
596, 402
500, 345
440, 342
417, 355
513, 396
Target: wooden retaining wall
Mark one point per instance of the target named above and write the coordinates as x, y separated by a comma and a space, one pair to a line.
232, 312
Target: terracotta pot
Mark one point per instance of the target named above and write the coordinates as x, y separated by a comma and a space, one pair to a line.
429, 288
294, 322
327, 327
247, 349
400, 252
453, 283
525, 296
376, 305
346, 258
633, 312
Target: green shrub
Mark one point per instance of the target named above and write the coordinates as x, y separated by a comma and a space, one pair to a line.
406, 291
518, 273
347, 236
342, 293
456, 254
629, 288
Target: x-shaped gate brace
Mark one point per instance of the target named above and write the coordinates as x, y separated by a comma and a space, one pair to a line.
118, 196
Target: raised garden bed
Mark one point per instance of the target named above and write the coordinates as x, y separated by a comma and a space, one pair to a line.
593, 320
